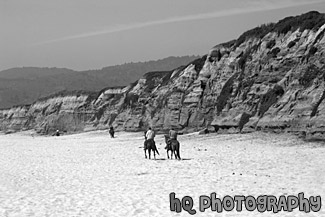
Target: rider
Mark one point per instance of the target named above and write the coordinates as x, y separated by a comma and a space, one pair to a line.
150, 134
172, 135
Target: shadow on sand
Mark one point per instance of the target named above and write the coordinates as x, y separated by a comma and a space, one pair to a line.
173, 159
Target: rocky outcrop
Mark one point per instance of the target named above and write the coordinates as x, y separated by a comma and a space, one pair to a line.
63, 111
270, 78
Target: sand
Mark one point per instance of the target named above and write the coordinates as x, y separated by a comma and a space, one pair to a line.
90, 174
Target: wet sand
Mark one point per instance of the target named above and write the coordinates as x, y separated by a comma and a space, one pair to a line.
90, 174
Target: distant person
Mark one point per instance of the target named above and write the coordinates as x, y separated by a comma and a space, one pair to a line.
111, 131
57, 133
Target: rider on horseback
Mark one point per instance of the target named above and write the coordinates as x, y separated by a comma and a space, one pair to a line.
172, 144
149, 143
150, 134
172, 135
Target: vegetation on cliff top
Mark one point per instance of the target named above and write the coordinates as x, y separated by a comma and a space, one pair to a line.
312, 20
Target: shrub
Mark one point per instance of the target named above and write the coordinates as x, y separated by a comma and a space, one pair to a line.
270, 44
199, 63
243, 58
291, 44
243, 120
258, 32
274, 52
309, 75
225, 93
311, 20
312, 50
153, 78
269, 98
131, 99
228, 44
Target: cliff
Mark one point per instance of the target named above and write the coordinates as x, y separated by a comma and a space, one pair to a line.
270, 78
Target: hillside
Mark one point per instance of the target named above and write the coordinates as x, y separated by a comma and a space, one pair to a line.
270, 78
25, 85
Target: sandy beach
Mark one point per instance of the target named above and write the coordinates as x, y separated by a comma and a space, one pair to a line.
90, 174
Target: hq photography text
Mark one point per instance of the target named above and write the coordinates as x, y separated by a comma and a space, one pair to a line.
262, 203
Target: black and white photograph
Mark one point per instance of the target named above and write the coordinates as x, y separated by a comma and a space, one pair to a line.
152, 108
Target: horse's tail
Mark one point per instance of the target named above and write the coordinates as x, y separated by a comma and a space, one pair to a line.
177, 149
155, 148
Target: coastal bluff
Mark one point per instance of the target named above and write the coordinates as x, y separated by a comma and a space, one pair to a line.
270, 78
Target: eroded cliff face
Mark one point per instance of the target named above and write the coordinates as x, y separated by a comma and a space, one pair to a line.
274, 80
65, 112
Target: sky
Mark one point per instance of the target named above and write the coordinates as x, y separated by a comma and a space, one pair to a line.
92, 34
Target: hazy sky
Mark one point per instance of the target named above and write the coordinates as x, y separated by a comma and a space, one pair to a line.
91, 34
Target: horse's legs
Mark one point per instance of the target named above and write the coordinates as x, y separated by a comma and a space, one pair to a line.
167, 154
145, 154
175, 155
179, 157
154, 154
149, 151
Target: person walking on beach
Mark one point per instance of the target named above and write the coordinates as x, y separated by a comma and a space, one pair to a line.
111, 131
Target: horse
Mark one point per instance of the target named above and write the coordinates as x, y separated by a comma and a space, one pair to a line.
173, 146
149, 144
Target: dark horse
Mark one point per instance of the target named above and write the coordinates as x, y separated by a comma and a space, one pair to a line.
173, 146
149, 144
